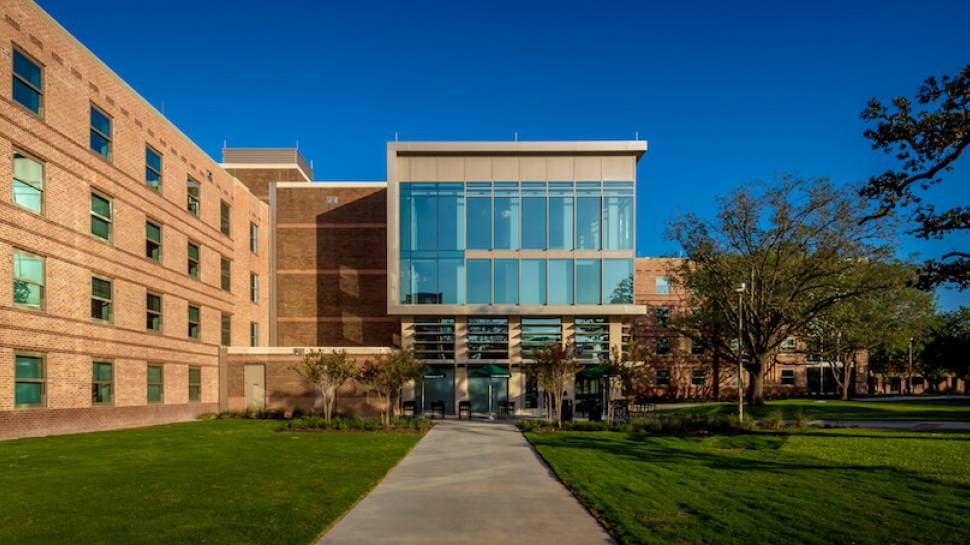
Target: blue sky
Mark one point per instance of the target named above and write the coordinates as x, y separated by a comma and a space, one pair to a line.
725, 92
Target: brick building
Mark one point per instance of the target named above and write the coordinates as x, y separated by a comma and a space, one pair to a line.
142, 282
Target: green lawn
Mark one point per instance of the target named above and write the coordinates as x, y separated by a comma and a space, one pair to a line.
222, 481
948, 410
806, 487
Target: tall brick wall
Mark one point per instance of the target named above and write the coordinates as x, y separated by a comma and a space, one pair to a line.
63, 330
258, 180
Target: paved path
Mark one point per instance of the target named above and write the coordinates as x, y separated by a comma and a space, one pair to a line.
893, 425
469, 483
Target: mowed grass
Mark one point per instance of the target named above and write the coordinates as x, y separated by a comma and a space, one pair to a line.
806, 487
223, 481
927, 410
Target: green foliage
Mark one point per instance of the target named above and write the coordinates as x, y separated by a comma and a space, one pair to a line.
328, 372
947, 348
554, 366
388, 374
350, 423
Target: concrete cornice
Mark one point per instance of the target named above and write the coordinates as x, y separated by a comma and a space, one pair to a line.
635, 147
331, 185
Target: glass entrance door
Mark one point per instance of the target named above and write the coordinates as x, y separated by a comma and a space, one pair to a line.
487, 393
437, 386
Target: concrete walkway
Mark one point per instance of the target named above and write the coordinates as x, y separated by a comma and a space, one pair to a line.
469, 483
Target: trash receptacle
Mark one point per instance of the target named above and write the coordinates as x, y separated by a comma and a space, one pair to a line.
594, 410
567, 410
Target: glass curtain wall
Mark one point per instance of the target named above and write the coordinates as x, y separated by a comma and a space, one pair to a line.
432, 243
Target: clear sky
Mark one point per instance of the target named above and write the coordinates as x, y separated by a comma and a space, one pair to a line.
725, 92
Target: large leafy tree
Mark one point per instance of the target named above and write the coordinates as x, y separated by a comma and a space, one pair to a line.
328, 372
799, 246
948, 347
927, 140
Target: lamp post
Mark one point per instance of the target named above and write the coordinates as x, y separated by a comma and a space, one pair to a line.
740, 289
909, 373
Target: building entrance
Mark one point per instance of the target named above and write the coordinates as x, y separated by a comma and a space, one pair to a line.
488, 388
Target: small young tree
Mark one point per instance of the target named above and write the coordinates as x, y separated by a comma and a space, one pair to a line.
388, 374
623, 370
328, 372
555, 364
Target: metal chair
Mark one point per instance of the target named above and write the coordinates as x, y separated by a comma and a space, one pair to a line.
465, 409
437, 409
407, 408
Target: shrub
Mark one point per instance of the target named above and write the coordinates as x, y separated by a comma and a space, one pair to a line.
775, 421
352, 423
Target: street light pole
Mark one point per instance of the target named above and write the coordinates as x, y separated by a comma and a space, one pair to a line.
740, 288
909, 373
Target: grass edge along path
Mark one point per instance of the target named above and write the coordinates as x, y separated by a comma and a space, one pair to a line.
943, 410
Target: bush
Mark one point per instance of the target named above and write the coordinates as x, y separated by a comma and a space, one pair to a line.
352, 423
652, 423
775, 421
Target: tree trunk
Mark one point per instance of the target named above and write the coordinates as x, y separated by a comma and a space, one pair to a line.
756, 382
716, 364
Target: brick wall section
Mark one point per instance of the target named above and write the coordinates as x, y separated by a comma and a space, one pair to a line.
331, 268
259, 179
63, 330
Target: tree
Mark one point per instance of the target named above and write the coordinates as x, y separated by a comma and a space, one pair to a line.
388, 374
623, 370
798, 245
554, 366
328, 372
927, 144
875, 320
949, 345
705, 325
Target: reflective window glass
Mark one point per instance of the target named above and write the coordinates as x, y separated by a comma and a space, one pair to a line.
560, 281
506, 281
587, 281
533, 282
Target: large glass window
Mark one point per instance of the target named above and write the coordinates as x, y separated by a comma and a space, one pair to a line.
153, 312
432, 216
101, 298
28, 279
587, 281
153, 168
592, 338
505, 283
100, 216
156, 384
533, 282
153, 241
618, 281
560, 281
30, 381
28, 82
506, 223
534, 223
194, 322
560, 223
588, 223
451, 281
540, 333
28, 183
618, 218
479, 223
102, 382
434, 338
433, 281
100, 132
195, 383
488, 338
479, 281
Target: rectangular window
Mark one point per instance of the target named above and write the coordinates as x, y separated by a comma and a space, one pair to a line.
195, 383
194, 317
698, 377
488, 338
788, 377
102, 383
588, 282
28, 82
479, 223
434, 338
28, 183
506, 223
153, 168
225, 274
588, 211
560, 223
253, 238
226, 329
560, 281
539, 333
192, 192
663, 346
100, 132
30, 381
592, 338
505, 281
254, 287
533, 282
697, 348
662, 316
153, 241
788, 345
156, 384
101, 298
479, 281
193, 259
28, 280
224, 217
618, 219
534, 223
663, 378
662, 285
618, 281
253, 334
153, 312
100, 216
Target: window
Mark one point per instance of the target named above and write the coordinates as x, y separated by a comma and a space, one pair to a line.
226, 329
153, 168
434, 338
100, 216
588, 223
539, 333
192, 196
618, 222
254, 287
662, 316
479, 281
698, 377
100, 132
663, 346
153, 241
505, 281
225, 273
592, 338
193, 330
662, 285
156, 384
917, 382
533, 282
479, 219
506, 221
788, 377
697, 348
433, 281
488, 338
153, 312
560, 222
618, 281
102, 382
193, 259
28, 280
332, 200
224, 217
28, 183
534, 222
253, 334
560, 281
195, 383
788, 345
253, 238
101, 298
28, 82
663, 378
30, 381
588, 281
